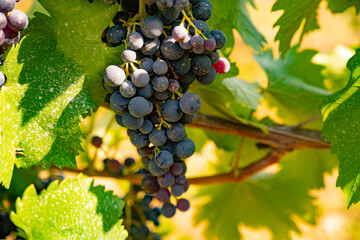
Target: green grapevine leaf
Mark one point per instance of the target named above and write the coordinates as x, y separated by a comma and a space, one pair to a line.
341, 116
295, 13
268, 202
339, 6
289, 88
234, 15
244, 92
40, 110
308, 166
77, 26
73, 209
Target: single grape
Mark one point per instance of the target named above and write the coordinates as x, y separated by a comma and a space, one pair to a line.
128, 55
113, 166
181, 4
208, 78
132, 122
171, 111
185, 148
168, 210
164, 4
160, 83
146, 92
176, 169
197, 41
116, 35
138, 139
138, 107
155, 170
210, 44
149, 184
182, 66
17, 20
171, 49
183, 205
158, 137
179, 33
160, 67
164, 159
147, 127
128, 89
166, 180
129, 162
151, 46
140, 78
220, 38
152, 27
114, 76
176, 132
201, 65
135, 40
190, 103
147, 64
163, 195
177, 190
222, 66
119, 103
7, 5
97, 141
202, 11
173, 86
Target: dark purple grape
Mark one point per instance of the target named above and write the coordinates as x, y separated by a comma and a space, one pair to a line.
163, 195
168, 210
149, 184
183, 205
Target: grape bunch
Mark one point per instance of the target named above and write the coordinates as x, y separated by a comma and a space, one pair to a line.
11, 23
167, 48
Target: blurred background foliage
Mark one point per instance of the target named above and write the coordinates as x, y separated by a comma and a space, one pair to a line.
296, 196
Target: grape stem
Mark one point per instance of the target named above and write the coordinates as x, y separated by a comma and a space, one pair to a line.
142, 9
197, 31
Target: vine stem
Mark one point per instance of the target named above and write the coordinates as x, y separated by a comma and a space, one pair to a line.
272, 158
278, 137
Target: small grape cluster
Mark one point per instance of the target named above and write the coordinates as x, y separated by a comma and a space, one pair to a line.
138, 210
11, 23
165, 51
